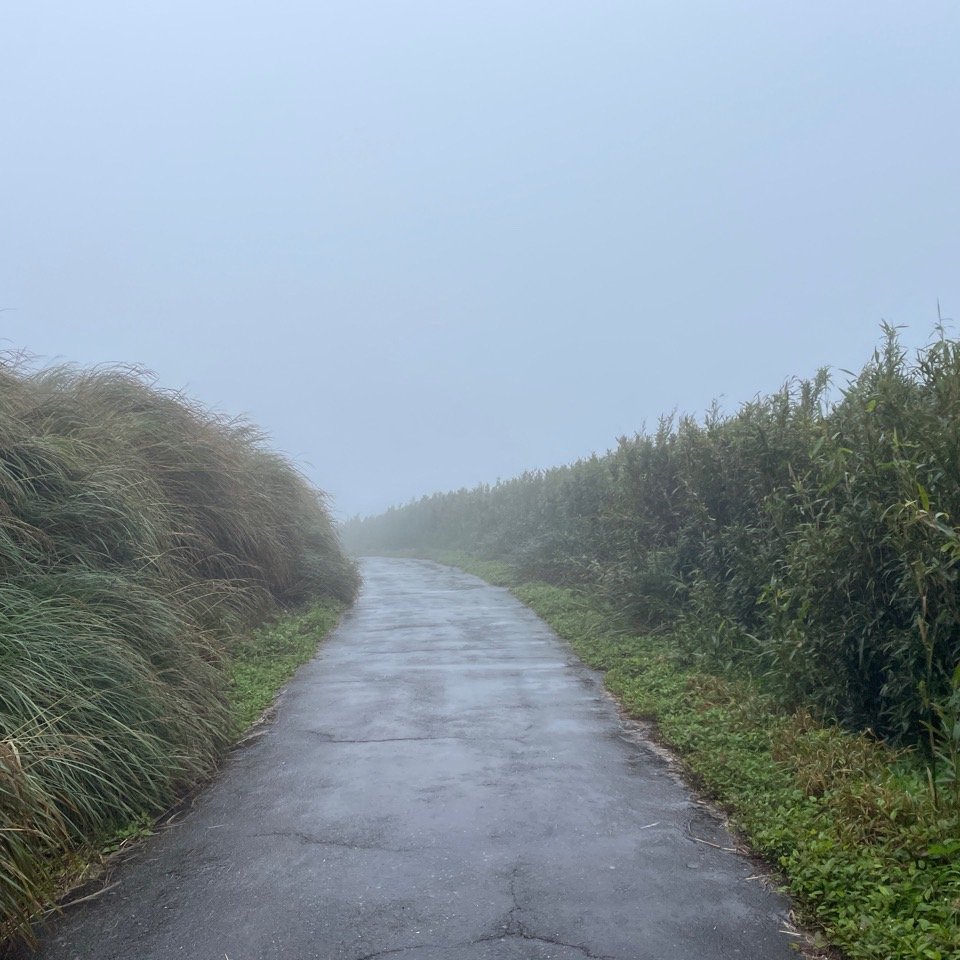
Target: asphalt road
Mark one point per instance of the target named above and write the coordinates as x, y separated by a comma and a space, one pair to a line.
445, 781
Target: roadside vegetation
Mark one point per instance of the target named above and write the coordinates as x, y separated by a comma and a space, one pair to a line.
264, 659
869, 854
777, 588
141, 538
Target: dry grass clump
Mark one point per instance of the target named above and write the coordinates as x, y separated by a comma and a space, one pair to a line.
138, 532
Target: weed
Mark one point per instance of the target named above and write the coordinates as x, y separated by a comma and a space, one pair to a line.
265, 659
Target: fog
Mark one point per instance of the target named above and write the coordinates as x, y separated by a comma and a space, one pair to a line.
429, 244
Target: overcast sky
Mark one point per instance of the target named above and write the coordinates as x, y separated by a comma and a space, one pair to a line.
428, 244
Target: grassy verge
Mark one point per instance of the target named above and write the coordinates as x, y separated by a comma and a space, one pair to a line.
870, 859
265, 659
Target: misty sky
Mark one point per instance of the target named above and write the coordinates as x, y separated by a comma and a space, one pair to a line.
428, 244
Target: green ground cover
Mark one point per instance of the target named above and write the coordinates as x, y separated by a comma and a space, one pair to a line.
263, 661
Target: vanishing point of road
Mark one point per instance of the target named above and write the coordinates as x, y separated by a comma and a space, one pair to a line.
445, 781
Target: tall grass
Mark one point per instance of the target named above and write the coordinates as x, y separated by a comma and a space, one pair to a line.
139, 532
811, 541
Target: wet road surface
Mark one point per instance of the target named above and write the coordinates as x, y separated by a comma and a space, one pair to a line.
445, 781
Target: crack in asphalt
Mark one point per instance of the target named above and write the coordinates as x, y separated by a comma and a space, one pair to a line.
513, 929
387, 953
516, 929
523, 935
493, 938
325, 739
313, 840
514, 925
